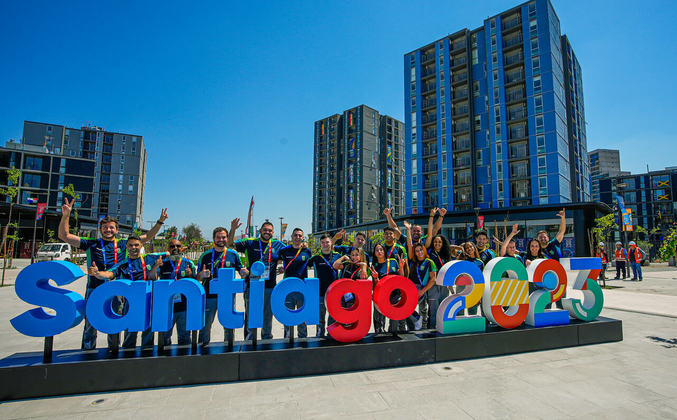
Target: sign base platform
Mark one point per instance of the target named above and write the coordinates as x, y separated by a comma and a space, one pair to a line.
24, 375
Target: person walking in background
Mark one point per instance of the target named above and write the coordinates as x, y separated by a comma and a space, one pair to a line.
621, 257
635, 256
601, 254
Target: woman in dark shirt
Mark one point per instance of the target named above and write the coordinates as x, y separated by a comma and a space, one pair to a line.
380, 268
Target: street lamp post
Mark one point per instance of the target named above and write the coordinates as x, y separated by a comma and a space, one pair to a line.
281, 218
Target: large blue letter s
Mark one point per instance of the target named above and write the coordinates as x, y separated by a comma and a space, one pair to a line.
32, 286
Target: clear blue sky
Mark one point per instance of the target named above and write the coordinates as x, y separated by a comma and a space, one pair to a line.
226, 93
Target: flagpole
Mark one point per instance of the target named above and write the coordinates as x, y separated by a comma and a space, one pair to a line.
35, 228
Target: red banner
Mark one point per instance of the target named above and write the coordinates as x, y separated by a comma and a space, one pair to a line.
480, 222
40, 210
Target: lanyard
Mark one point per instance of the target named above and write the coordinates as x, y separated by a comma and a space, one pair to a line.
115, 252
390, 253
143, 267
333, 272
223, 259
270, 251
292, 260
176, 269
418, 272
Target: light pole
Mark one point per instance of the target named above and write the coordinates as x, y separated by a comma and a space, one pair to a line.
281, 231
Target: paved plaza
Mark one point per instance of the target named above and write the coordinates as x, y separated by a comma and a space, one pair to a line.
628, 379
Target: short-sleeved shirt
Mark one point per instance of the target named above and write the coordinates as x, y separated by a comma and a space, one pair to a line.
266, 252
174, 270
351, 271
519, 257
295, 261
528, 257
347, 249
395, 250
102, 253
215, 260
553, 250
323, 264
487, 255
478, 262
419, 272
389, 266
437, 258
132, 269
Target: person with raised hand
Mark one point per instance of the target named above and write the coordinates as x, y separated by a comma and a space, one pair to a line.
103, 252
422, 272
322, 264
265, 249
135, 267
295, 259
509, 247
553, 248
381, 267
219, 256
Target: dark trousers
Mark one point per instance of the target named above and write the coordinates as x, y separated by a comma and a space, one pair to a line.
620, 266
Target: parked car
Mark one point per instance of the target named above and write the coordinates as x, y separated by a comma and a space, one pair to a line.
56, 251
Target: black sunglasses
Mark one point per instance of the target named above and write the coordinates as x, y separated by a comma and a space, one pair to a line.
175, 246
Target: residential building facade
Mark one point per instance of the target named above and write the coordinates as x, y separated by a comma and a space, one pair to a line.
358, 168
494, 116
603, 163
120, 165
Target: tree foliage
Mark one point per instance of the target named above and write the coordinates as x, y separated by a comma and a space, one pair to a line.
69, 190
192, 233
669, 245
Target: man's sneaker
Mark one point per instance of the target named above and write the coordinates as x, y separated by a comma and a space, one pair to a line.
419, 321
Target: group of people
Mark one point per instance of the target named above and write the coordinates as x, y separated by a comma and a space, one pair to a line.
633, 255
410, 254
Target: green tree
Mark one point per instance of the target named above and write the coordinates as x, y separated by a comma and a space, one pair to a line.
69, 190
600, 232
50, 236
13, 177
193, 233
669, 245
645, 244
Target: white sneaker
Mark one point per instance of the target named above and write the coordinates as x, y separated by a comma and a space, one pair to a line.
419, 321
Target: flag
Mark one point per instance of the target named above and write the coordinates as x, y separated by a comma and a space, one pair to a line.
480, 222
40, 210
626, 214
284, 229
32, 200
250, 216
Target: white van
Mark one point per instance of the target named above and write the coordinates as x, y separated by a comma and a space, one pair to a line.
56, 251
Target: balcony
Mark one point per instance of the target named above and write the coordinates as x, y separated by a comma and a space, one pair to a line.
461, 128
514, 77
428, 103
512, 41
517, 114
429, 168
430, 185
514, 96
459, 94
429, 135
429, 118
427, 57
428, 87
458, 78
510, 23
513, 59
517, 133
458, 45
429, 151
461, 145
459, 61
519, 151
428, 72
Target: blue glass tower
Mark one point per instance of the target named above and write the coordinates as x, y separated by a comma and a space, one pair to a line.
491, 118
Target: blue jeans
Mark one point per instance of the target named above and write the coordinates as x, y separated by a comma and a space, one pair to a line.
295, 301
89, 333
129, 342
322, 326
636, 270
435, 296
183, 336
267, 330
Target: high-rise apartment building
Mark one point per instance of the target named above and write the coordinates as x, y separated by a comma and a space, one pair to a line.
494, 116
358, 168
120, 165
603, 163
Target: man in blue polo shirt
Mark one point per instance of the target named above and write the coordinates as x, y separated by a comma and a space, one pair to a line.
323, 266
360, 240
295, 259
136, 267
176, 267
553, 248
209, 264
104, 252
264, 249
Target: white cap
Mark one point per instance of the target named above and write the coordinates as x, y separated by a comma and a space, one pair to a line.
601, 244
631, 243
619, 243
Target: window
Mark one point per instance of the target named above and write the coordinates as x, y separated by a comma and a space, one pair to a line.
539, 124
475, 88
32, 180
534, 46
33, 163
540, 142
542, 186
536, 66
537, 84
542, 169
538, 104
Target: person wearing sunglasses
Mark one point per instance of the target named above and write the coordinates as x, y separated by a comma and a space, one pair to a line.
176, 267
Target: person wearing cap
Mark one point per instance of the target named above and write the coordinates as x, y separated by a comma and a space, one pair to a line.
621, 257
601, 254
635, 256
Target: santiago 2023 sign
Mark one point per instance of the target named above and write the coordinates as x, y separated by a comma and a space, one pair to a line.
151, 302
